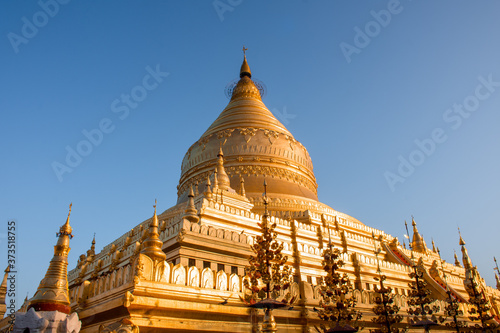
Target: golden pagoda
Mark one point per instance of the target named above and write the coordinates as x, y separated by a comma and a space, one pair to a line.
49, 309
52, 293
183, 269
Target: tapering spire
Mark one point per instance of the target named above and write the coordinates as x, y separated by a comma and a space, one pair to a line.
433, 246
465, 255
418, 243
152, 244
66, 228
245, 69
24, 306
191, 213
52, 293
242, 186
196, 188
208, 189
91, 251
221, 175
497, 271
216, 182
457, 262
461, 241
246, 88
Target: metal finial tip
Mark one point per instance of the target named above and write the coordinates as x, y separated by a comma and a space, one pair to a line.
245, 69
155, 206
70, 205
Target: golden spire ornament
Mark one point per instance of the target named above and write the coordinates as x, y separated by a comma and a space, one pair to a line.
216, 182
465, 254
417, 243
152, 244
242, 186
91, 251
208, 189
52, 293
221, 175
191, 213
245, 69
245, 87
457, 262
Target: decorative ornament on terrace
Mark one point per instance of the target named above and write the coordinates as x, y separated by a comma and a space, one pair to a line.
452, 309
421, 310
337, 304
476, 288
385, 309
267, 275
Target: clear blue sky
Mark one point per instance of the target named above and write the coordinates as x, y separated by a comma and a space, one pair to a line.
356, 100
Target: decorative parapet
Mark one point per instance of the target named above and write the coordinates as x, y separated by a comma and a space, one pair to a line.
192, 276
384, 265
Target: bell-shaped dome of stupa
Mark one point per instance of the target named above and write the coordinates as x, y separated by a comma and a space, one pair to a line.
255, 145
